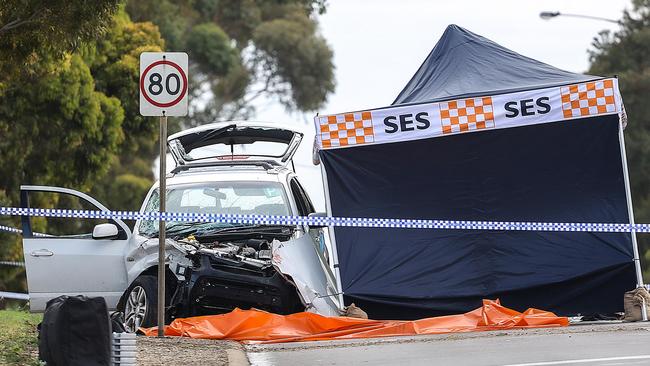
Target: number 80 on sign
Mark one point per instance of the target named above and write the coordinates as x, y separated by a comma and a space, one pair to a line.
163, 83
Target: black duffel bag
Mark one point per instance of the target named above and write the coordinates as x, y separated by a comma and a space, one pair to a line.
75, 331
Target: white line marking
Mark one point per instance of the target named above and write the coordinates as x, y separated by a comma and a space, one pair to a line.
260, 358
584, 360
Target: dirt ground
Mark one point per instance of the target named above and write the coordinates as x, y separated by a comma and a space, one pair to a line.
186, 351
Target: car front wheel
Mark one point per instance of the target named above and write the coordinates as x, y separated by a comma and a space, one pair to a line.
140, 305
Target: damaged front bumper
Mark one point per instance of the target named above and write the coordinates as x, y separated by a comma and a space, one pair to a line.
218, 285
295, 278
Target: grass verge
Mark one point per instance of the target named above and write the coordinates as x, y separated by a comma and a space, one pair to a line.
18, 337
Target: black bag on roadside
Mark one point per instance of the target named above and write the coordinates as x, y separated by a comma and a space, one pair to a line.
75, 331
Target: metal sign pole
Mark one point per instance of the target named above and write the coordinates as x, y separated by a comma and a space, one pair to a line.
163, 92
161, 226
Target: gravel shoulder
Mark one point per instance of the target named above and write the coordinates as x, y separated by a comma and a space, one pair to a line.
153, 351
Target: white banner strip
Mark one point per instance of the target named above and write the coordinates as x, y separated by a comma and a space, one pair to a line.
330, 221
427, 120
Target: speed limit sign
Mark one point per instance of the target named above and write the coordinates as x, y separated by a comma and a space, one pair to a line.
163, 92
163, 83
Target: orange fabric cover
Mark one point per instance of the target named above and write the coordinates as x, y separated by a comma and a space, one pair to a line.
260, 326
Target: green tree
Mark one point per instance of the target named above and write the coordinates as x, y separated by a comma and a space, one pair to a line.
69, 114
32, 30
114, 62
626, 53
242, 50
56, 131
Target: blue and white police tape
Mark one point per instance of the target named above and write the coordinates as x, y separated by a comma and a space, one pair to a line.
12, 263
18, 231
10, 229
329, 221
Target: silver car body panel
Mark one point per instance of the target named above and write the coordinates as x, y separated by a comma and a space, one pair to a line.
297, 258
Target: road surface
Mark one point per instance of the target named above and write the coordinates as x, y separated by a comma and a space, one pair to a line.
587, 344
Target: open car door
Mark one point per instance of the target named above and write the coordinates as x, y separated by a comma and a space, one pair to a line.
230, 141
72, 256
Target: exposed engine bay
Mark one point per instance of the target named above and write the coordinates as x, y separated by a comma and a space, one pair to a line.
228, 272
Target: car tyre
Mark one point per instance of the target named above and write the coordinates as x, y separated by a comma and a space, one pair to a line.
141, 304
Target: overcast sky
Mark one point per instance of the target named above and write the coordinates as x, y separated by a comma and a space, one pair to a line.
378, 45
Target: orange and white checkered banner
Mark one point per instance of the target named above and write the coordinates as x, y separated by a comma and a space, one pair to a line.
463, 115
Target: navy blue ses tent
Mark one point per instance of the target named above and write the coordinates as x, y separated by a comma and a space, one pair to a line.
482, 133
464, 64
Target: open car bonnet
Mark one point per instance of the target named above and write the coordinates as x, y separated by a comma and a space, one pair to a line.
236, 140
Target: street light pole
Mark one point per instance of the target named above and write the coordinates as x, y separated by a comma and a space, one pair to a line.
546, 15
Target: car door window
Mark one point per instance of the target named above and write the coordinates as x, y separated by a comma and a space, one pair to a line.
62, 227
303, 203
305, 196
305, 207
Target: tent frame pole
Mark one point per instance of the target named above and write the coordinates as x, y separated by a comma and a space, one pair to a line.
335, 252
630, 212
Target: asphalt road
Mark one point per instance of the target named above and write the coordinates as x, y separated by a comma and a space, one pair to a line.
594, 344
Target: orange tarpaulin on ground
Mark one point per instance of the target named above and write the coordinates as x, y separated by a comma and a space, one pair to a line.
260, 326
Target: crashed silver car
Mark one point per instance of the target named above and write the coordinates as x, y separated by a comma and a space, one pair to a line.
211, 267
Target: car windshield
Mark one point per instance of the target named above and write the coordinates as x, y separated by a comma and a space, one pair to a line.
253, 198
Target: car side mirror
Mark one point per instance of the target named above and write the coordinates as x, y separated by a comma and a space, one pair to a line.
105, 231
317, 214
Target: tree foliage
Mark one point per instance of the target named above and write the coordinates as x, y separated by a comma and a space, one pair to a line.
59, 115
212, 49
289, 52
69, 108
114, 61
242, 50
626, 53
32, 30
57, 131
69, 100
